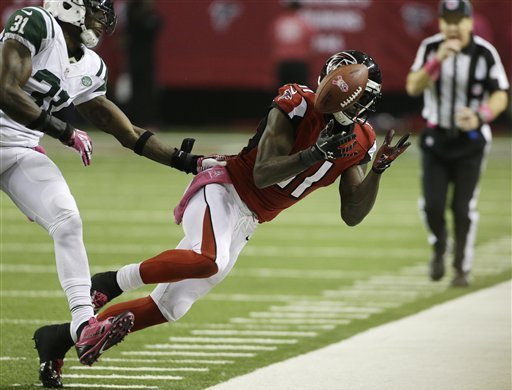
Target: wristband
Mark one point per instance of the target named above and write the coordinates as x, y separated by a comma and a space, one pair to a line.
52, 126
433, 68
485, 114
311, 156
379, 171
141, 142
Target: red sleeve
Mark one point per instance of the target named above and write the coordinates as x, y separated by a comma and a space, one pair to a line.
294, 100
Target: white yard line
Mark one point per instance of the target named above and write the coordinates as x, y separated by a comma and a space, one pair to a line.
166, 361
188, 353
116, 376
224, 332
231, 340
216, 347
144, 369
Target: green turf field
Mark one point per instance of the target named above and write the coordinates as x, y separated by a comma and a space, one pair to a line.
304, 281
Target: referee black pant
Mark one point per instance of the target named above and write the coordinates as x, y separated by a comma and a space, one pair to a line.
460, 177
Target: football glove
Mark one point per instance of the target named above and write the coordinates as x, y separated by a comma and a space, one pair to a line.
387, 153
182, 159
330, 146
82, 143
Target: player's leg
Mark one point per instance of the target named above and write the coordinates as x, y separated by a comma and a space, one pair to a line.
232, 225
435, 180
198, 255
464, 207
37, 187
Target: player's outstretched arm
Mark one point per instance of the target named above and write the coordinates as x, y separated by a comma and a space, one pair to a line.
359, 192
105, 115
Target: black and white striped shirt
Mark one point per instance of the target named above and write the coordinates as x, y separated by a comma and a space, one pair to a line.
466, 79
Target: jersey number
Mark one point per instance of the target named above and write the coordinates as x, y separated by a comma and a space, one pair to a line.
308, 181
57, 95
19, 24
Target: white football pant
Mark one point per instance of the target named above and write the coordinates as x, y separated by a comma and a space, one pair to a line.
36, 185
232, 223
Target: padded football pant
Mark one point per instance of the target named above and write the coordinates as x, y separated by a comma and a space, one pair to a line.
217, 225
463, 174
37, 187
214, 212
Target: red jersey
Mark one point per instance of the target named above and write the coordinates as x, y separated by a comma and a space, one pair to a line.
297, 102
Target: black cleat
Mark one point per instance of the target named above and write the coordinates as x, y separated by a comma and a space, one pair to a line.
436, 267
104, 288
50, 374
52, 342
461, 279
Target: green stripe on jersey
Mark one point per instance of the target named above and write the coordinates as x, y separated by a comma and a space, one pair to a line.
28, 24
102, 65
49, 17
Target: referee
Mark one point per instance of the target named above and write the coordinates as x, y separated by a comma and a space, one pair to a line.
464, 88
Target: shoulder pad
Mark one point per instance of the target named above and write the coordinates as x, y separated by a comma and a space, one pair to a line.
294, 100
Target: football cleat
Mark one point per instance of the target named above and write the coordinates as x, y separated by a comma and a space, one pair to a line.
104, 288
461, 279
436, 267
51, 347
50, 374
98, 336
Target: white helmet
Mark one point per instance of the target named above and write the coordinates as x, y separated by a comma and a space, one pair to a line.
74, 12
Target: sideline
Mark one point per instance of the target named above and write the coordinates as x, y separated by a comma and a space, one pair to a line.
463, 344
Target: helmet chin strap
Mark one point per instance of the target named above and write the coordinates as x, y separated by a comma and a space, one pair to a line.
342, 118
88, 37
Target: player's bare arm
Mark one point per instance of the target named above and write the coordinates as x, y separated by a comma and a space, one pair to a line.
273, 162
15, 70
357, 192
106, 116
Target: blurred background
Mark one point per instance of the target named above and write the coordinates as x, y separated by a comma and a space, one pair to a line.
219, 62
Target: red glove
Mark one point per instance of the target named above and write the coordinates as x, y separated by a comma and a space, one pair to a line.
82, 143
387, 153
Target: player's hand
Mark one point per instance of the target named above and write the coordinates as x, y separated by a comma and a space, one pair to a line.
183, 160
207, 162
82, 143
334, 146
329, 146
387, 153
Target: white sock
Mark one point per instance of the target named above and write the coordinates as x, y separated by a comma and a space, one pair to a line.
128, 277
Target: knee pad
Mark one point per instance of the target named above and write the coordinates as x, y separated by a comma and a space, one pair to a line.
66, 224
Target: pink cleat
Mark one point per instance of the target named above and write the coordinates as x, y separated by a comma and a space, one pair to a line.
98, 336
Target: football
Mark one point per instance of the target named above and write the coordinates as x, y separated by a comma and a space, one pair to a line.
341, 88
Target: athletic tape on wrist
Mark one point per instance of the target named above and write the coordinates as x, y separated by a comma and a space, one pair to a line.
52, 126
141, 142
